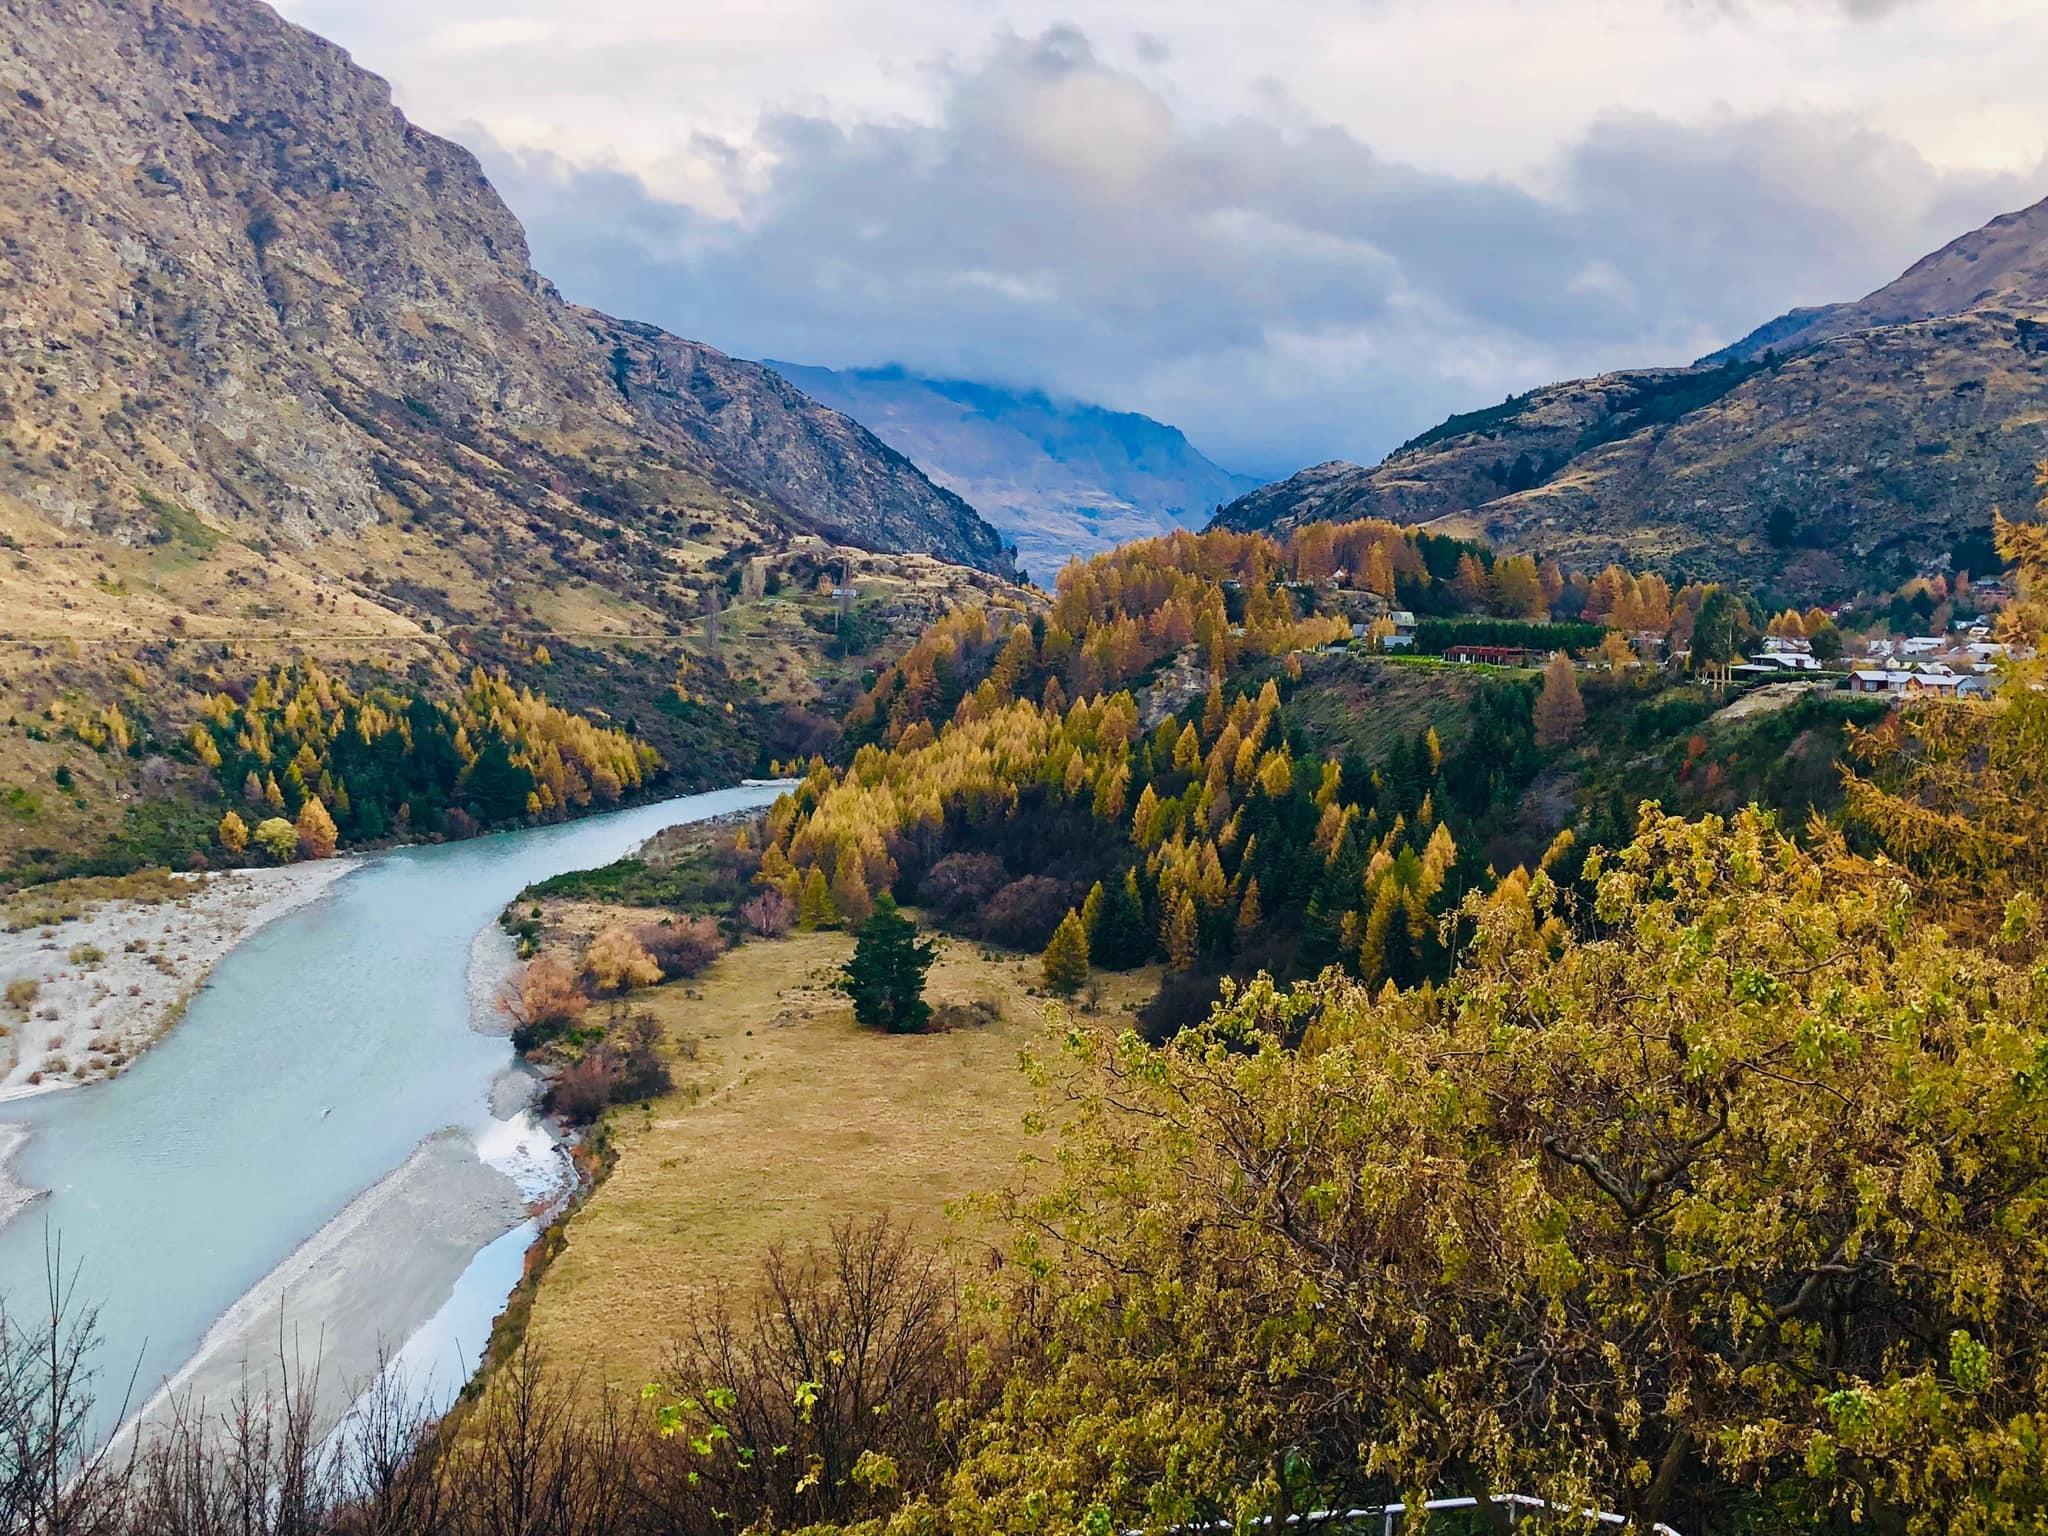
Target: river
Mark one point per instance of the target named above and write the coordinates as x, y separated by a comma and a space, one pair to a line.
327, 1050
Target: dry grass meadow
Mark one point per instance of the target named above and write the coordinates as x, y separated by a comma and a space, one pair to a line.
790, 1117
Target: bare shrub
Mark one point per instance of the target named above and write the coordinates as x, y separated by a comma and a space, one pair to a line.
584, 1088
960, 882
846, 1360
682, 946
769, 915
1024, 913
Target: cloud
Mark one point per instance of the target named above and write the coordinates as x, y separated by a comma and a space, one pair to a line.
1271, 284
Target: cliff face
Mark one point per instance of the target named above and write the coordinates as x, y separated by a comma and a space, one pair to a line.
824, 467
234, 278
1833, 448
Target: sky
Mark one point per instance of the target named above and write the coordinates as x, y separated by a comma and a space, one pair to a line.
1298, 229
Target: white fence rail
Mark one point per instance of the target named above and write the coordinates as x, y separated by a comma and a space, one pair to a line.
1390, 1515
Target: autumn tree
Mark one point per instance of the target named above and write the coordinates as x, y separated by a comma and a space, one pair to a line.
1180, 934
233, 833
1065, 961
1954, 790
278, 838
850, 897
885, 977
1518, 589
814, 907
315, 830
1723, 1216
544, 1000
1560, 711
618, 962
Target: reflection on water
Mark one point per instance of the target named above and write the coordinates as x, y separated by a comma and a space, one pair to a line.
323, 1050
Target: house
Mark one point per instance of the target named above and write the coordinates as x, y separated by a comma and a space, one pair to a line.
1492, 655
1920, 645
1936, 680
1776, 664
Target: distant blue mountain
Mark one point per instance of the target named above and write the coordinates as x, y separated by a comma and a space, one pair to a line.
1058, 478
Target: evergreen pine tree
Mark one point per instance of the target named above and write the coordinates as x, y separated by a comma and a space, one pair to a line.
1117, 937
885, 977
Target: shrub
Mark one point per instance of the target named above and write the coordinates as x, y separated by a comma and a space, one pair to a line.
584, 1089
960, 882
543, 1002
681, 946
87, 955
22, 993
617, 962
1024, 913
278, 838
643, 1074
769, 915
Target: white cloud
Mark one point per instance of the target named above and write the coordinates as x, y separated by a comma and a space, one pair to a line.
1299, 229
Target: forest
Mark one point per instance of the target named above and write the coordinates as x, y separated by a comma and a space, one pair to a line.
388, 761
1696, 1171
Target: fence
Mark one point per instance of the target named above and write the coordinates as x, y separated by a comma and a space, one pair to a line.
1389, 1516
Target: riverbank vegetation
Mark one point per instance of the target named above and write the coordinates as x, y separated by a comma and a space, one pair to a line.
1692, 1170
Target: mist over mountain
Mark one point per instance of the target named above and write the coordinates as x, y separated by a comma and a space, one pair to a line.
1058, 478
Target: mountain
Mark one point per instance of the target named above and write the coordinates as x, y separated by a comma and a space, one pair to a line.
277, 380
1059, 478
1834, 448
236, 278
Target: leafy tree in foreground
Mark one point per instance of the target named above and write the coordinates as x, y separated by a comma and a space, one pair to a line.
1957, 791
1736, 1206
885, 977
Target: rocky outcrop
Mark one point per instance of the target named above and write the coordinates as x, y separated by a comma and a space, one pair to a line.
826, 469
234, 279
1834, 449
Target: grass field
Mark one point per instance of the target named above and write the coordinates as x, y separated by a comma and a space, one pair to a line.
789, 1118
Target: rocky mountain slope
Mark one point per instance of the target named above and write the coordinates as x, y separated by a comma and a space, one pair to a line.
1833, 449
277, 378
235, 278
1059, 478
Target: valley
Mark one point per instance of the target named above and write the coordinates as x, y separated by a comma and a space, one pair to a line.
598, 938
